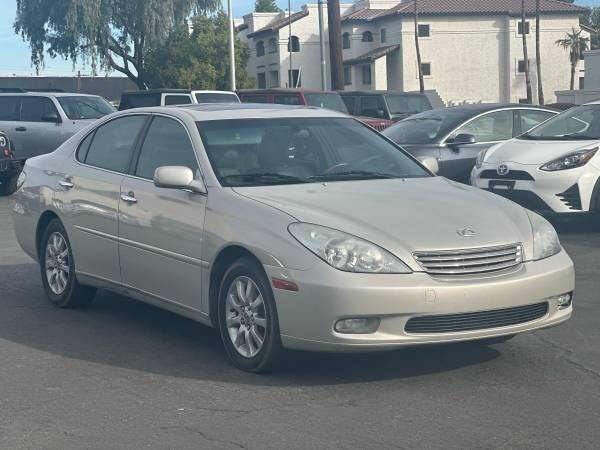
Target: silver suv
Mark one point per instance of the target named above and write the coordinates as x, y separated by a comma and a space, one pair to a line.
37, 123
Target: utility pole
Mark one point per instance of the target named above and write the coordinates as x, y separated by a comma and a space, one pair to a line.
335, 45
322, 45
291, 73
231, 46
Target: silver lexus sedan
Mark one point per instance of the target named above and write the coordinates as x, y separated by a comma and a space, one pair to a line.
286, 228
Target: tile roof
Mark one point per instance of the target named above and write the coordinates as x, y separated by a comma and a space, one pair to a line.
510, 7
363, 14
280, 23
372, 55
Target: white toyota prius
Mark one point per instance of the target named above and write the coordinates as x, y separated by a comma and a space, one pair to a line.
552, 169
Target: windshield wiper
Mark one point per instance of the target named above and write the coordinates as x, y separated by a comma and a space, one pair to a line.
351, 174
266, 178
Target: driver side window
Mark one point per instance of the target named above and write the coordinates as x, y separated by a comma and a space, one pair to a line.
495, 126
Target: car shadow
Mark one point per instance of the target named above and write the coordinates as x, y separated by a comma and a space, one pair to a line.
124, 333
576, 225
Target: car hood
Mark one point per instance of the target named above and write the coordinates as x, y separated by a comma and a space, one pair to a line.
403, 216
523, 151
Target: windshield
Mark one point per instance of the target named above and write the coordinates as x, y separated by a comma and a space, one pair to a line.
329, 101
216, 97
426, 128
582, 123
84, 107
259, 152
407, 104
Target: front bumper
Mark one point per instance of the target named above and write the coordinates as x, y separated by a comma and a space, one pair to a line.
326, 295
565, 191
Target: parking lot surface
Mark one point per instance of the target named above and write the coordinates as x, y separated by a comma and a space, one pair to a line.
122, 374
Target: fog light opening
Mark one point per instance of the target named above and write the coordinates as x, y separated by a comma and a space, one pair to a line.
564, 300
362, 325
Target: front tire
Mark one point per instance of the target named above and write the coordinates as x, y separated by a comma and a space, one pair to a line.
248, 318
58, 270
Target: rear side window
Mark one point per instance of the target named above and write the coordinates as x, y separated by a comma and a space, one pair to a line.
113, 143
82, 151
177, 100
531, 118
287, 100
255, 98
33, 109
9, 108
139, 101
167, 144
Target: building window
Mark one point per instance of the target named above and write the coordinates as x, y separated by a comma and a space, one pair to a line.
274, 79
294, 80
581, 82
426, 69
367, 36
260, 48
382, 32
272, 45
520, 28
521, 66
347, 75
293, 44
366, 74
346, 40
262, 80
424, 30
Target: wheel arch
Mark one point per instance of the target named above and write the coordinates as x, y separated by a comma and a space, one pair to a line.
44, 220
595, 198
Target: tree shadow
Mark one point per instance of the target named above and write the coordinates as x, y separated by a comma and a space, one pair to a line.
124, 333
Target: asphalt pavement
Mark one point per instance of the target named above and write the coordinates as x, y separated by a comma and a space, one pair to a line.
122, 374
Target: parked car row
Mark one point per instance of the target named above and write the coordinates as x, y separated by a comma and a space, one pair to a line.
289, 228
166, 97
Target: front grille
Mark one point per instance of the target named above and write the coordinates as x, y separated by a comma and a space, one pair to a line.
511, 175
571, 197
470, 261
481, 320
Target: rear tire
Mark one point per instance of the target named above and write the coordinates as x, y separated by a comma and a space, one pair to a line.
58, 270
248, 318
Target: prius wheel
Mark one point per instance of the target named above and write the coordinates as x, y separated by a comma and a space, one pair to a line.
58, 270
248, 318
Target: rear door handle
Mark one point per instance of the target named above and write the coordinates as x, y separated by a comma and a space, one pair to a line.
129, 198
20, 129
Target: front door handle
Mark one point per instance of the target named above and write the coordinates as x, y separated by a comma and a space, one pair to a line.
66, 184
20, 129
129, 198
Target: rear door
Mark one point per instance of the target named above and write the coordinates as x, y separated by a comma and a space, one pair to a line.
457, 161
160, 230
36, 134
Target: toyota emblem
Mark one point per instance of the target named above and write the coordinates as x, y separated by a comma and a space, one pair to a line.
502, 170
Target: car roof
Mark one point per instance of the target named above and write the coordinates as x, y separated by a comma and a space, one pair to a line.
46, 94
225, 111
203, 91
284, 91
384, 92
158, 91
485, 107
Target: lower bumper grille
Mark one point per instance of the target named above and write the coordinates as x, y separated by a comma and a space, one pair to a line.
476, 320
571, 197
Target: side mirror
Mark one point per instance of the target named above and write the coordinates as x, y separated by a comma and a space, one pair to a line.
462, 139
431, 164
178, 177
51, 117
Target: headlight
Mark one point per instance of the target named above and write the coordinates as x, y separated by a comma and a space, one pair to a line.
480, 158
545, 239
21, 180
570, 161
346, 252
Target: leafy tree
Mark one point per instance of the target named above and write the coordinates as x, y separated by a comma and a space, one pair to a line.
576, 45
197, 60
113, 34
266, 6
592, 19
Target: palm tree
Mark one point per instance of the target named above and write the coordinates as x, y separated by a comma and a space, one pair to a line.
576, 45
538, 57
525, 54
419, 67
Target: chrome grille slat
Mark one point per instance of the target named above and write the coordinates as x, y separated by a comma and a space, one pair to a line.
470, 261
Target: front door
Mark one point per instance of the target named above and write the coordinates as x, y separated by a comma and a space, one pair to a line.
457, 161
160, 230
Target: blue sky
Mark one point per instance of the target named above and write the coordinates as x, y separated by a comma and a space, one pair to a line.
15, 55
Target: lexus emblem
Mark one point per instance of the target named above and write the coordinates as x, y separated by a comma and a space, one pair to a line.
502, 170
466, 232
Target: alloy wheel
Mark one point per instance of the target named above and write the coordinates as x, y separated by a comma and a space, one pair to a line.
57, 263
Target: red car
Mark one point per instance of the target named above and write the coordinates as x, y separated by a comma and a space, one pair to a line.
320, 99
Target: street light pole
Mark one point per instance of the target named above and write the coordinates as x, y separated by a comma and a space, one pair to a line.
322, 45
291, 74
231, 46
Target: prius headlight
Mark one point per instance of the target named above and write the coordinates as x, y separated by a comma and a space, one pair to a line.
345, 251
480, 158
571, 160
545, 239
